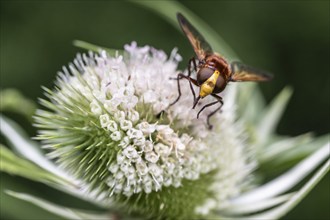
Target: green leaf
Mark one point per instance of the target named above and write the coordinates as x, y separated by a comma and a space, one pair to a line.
256, 206
12, 164
9, 205
58, 210
283, 209
29, 149
295, 199
297, 153
250, 102
270, 117
270, 193
287, 180
13, 101
284, 146
96, 48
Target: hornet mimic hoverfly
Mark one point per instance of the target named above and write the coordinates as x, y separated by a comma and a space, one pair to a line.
213, 70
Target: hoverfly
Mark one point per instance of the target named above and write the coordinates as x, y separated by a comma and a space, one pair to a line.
213, 71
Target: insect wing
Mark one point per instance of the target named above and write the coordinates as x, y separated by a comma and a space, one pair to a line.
242, 72
200, 45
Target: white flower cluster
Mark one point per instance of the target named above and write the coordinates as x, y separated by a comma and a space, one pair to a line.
126, 94
147, 164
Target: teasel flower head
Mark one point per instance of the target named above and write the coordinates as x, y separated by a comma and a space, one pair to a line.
117, 142
109, 123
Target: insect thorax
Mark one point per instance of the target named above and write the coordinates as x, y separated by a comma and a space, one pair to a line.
218, 62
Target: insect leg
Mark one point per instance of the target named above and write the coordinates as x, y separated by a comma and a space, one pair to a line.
219, 100
205, 106
191, 80
192, 63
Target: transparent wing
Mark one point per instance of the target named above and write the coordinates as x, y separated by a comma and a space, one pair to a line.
201, 47
242, 72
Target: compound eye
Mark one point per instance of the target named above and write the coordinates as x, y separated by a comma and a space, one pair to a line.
203, 74
220, 84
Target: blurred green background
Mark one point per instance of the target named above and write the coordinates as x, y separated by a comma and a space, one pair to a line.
288, 38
